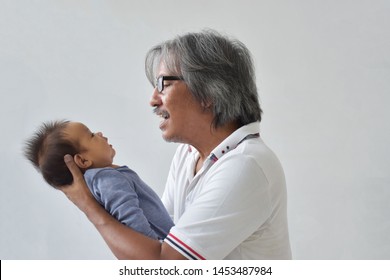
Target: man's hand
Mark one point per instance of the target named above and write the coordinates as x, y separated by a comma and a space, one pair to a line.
77, 192
124, 242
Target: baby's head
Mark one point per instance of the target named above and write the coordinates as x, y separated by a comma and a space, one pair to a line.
53, 140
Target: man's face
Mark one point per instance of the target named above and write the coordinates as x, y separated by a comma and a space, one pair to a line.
181, 115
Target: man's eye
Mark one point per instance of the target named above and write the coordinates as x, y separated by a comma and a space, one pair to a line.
92, 134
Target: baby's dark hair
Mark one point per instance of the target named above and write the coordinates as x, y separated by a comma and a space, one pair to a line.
46, 150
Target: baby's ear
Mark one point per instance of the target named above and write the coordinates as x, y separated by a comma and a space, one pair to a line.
82, 162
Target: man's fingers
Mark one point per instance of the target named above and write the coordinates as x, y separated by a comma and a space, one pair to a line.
73, 168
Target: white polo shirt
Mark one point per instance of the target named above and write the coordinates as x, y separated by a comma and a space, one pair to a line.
235, 207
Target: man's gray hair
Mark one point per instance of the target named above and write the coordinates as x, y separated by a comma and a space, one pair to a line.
218, 71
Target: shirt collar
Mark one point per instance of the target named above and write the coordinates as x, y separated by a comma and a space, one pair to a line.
245, 132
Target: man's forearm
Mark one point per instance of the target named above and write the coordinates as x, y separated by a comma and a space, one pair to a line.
124, 242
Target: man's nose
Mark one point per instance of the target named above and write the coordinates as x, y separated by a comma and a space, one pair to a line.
155, 99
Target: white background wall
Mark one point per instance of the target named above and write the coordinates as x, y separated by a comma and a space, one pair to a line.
323, 71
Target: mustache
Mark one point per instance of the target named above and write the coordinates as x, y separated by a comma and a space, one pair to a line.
160, 112
156, 110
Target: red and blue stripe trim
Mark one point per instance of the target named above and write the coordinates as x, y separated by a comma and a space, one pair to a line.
183, 248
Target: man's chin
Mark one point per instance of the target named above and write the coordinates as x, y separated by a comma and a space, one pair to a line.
171, 138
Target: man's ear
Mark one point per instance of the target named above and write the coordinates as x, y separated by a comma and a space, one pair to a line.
82, 162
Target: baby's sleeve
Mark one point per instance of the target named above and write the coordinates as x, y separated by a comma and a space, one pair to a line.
118, 196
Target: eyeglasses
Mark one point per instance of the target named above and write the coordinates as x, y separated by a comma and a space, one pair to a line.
160, 81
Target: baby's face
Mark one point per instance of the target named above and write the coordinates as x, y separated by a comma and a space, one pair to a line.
93, 146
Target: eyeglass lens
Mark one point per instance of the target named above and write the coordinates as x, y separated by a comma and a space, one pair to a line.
161, 79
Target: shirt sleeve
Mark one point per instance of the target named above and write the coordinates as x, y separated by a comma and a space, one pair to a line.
118, 196
233, 203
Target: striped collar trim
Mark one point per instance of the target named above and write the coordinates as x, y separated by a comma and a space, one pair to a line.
246, 132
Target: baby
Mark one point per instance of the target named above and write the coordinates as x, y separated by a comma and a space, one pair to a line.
117, 188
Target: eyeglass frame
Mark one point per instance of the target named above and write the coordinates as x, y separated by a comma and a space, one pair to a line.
160, 81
